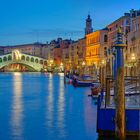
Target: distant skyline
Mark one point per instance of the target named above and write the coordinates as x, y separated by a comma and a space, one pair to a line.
29, 21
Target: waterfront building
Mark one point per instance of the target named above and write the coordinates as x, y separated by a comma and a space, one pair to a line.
57, 55
130, 27
124, 23
64, 45
66, 57
92, 50
45, 50
2, 50
54, 52
32, 49
81, 48
96, 45
49, 51
73, 55
133, 50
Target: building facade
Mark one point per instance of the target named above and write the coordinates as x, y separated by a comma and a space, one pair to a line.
129, 24
31, 49
132, 57
92, 50
96, 44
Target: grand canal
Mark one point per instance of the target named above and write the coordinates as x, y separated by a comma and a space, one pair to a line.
37, 106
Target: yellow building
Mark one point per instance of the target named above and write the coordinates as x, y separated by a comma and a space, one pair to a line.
96, 45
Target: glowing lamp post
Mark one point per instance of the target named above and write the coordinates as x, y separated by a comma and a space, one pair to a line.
103, 62
50, 64
133, 57
61, 67
51, 61
83, 66
83, 63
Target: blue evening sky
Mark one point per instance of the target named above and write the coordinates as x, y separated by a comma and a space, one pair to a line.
27, 21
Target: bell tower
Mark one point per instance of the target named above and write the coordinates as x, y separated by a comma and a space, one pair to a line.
88, 28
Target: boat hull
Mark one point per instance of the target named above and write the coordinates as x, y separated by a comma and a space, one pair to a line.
81, 83
106, 122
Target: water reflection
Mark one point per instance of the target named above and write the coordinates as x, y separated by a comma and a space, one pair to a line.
42, 107
90, 117
61, 105
17, 106
49, 101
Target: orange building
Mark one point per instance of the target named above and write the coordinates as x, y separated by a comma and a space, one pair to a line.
57, 53
96, 45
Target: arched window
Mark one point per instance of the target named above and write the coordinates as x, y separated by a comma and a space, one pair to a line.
105, 38
4, 58
45, 62
105, 51
27, 58
9, 57
32, 59
23, 57
36, 60
0, 60
41, 61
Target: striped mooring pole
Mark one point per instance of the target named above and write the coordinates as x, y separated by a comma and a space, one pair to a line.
119, 86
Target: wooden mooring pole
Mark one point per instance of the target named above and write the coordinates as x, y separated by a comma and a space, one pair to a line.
108, 73
120, 105
119, 87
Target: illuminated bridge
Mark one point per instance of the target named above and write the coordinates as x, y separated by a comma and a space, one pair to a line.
34, 62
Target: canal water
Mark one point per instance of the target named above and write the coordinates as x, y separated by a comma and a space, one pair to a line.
35, 106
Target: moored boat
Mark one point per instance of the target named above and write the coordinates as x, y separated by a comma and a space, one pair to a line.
95, 88
84, 81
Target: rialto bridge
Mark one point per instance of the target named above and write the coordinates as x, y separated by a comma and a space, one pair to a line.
34, 62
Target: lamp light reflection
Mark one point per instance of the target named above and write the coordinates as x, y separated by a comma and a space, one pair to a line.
17, 106
49, 100
61, 105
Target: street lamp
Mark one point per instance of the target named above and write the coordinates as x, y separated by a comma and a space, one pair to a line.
103, 62
51, 61
133, 57
83, 67
83, 63
61, 66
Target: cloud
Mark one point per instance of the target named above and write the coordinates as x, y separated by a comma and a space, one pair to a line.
41, 35
43, 32
54, 32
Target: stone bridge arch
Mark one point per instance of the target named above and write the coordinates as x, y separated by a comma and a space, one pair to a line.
33, 62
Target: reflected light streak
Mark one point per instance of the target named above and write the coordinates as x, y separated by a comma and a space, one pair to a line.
49, 100
61, 105
89, 118
61, 74
17, 106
